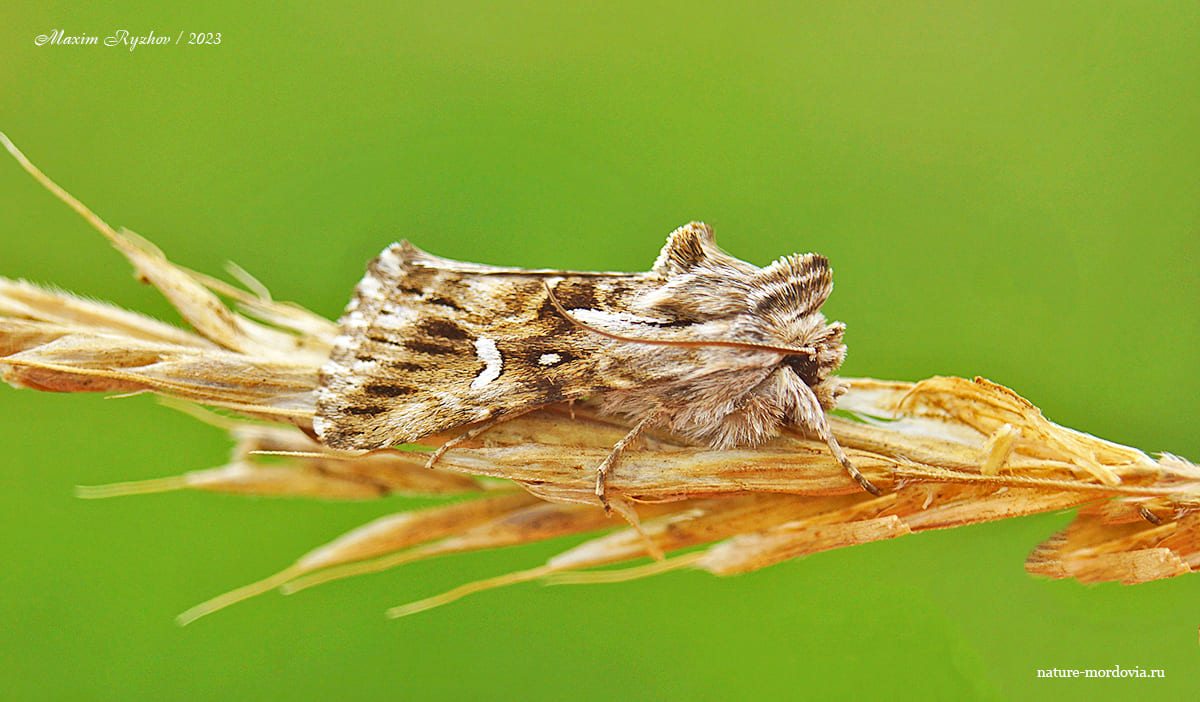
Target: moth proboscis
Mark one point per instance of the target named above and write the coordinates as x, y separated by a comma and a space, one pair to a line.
705, 345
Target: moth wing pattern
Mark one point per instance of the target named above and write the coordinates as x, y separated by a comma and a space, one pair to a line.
428, 344
709, 346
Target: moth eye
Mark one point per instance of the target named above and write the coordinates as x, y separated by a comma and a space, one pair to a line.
804, 366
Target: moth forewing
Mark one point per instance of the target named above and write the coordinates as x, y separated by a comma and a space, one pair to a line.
705, 345
429, 344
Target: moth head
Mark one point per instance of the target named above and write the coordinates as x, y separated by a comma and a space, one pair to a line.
827, 354
777, 306
815, 372
806, 367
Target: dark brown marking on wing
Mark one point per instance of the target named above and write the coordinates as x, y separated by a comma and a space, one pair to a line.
617, 288
547, 390
341, 436
673, 323
442, 329
430, 347
443, 302
387, 390
556, 324
577, 294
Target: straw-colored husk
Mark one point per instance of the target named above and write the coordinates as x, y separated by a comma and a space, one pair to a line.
946, 451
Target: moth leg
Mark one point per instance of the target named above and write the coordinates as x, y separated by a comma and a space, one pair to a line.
470, 434
606, 467
836, 449
813, 418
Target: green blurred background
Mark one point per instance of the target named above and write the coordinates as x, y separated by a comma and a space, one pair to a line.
1006, 189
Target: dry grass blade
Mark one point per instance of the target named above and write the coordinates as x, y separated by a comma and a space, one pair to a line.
281, 461
948, 451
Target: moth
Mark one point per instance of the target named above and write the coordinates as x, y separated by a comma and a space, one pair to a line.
704, 345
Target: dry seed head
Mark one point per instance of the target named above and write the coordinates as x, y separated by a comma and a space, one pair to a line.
951, 451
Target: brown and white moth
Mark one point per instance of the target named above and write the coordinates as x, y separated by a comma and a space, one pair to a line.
705, 345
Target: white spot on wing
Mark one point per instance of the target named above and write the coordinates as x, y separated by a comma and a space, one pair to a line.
549, 359
486, 349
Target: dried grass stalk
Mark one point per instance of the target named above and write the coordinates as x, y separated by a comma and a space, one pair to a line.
948, 452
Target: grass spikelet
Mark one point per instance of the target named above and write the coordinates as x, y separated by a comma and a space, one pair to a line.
947, 452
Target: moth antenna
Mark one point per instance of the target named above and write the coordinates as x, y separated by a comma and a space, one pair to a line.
804, 350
